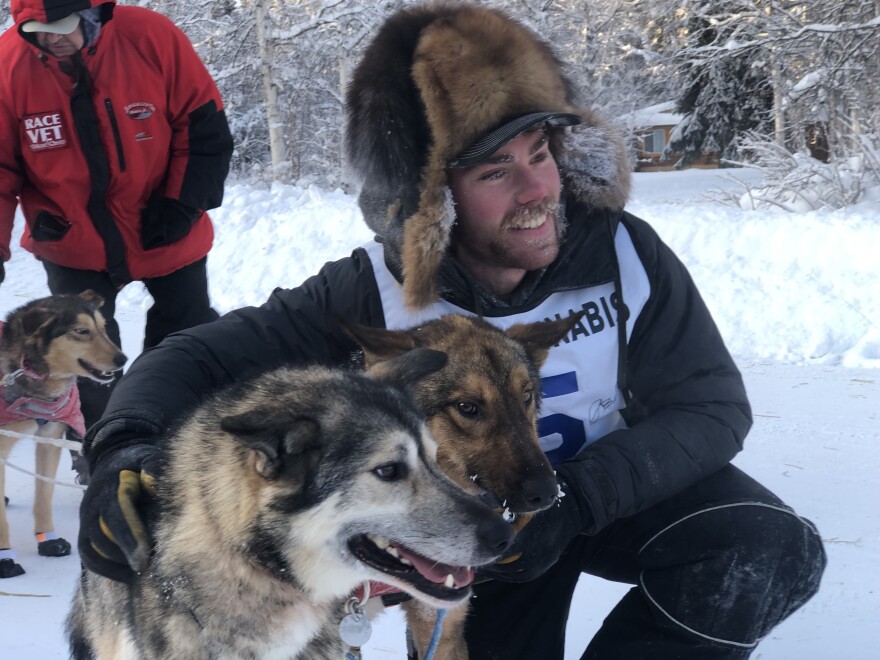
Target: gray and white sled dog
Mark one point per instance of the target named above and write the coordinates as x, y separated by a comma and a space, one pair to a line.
279, 498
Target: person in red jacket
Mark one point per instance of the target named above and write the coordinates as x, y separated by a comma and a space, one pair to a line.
114, 142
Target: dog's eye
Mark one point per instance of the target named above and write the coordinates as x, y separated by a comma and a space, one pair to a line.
467, 408
528, 395
391, 471
82, 332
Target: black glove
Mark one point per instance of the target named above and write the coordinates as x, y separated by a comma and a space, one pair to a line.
165, 221
541, 539
116, 511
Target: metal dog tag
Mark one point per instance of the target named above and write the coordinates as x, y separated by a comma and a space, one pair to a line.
355, 629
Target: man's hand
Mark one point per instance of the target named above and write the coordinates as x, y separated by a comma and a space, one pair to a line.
165, 221
540, 540
114, 540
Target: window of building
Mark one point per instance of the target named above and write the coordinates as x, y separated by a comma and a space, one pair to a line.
654, 142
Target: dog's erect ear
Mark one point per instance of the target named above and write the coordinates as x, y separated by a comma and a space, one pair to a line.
35, 321
409, 368
95, 298
272, 435
379, 344
538, 338
391, 355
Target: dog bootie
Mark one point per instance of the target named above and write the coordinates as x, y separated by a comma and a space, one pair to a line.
8, 567
49, 544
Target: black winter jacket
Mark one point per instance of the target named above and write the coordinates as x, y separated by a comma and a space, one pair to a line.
686, 409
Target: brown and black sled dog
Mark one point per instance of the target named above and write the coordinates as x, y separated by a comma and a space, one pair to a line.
482, 409
279, 497
44, 346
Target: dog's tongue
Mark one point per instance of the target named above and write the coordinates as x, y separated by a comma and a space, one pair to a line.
435, 571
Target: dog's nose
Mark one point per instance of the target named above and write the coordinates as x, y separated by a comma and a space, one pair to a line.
495, 535
120, 359
539, 492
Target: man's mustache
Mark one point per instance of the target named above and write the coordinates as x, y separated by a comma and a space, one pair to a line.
525, 215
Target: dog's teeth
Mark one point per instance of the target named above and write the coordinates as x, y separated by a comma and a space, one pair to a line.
404, 560
392, 551
379, 541
449, 582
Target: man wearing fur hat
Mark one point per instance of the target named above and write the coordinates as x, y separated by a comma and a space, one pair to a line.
492, 192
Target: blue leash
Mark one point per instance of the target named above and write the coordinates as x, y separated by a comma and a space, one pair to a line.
435, 637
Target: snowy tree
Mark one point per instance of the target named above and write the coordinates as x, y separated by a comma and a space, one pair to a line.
823, 57
823, 61
721, 97
280, 68
799, 73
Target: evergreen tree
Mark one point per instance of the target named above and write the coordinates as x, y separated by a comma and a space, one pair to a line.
722, 97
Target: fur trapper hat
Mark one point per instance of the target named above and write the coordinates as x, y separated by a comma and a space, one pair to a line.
435, 79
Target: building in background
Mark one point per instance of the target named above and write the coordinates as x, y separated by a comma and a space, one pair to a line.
649, 130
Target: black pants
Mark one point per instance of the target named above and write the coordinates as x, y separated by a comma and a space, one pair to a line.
715, 568
180, 301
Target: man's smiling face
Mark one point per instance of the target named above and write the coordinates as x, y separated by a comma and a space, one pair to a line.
507, 212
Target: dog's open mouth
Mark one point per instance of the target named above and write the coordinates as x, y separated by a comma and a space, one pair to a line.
435, 579
97, 374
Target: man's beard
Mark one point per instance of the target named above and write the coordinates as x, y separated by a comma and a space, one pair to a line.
523, 217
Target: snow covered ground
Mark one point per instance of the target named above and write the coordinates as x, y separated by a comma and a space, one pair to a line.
797, 297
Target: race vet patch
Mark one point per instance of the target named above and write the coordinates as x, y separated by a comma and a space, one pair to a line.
44, 130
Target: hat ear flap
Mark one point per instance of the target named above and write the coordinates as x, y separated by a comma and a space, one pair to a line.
593, 162
426, 239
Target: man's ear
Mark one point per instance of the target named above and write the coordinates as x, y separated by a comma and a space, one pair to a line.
538, 338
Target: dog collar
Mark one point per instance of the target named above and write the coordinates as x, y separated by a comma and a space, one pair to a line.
23, 370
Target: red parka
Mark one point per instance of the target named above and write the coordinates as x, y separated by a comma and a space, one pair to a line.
85, 153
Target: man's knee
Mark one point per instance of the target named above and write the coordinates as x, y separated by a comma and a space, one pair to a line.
795, 562
731, 573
